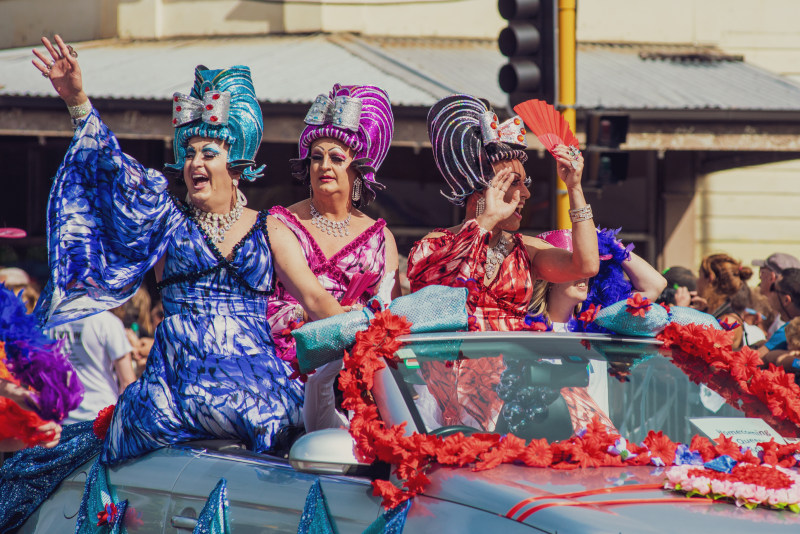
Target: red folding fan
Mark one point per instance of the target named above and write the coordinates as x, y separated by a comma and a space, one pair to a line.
549, 126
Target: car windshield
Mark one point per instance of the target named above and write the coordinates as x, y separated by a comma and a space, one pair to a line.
545, 385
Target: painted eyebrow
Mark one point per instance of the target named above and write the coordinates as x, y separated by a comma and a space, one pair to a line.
211, 147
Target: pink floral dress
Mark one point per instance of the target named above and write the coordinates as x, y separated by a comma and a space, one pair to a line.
365, 253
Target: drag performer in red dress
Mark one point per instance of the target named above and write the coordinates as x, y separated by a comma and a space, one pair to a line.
482, 162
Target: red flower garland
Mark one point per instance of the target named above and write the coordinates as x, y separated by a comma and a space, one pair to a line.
705, 356
413, 455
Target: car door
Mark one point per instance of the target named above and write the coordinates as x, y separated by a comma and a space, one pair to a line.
266, 494
146, 483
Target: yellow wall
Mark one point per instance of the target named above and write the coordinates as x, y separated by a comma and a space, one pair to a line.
750, 212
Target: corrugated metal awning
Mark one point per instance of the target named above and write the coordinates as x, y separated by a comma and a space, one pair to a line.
668, 89
415, 72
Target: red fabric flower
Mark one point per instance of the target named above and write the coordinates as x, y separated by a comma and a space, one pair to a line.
661, 446
589, 314
108, 516
729, 324
537, 454
638, 305
102, 422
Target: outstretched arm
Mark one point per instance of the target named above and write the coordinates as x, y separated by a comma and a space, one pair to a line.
557, 265
644, 278
62, 68
293, 271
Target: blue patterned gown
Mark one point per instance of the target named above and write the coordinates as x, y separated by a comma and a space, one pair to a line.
212, 372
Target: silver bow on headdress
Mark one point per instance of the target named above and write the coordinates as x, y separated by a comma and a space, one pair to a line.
343, 112
213, 109
511, 132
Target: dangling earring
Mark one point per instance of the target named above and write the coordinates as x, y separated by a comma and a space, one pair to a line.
241, 198
357, 189
188, 201
310, 191
481, 206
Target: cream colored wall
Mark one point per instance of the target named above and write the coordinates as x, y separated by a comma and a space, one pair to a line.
23, 22
749, 212
766, 33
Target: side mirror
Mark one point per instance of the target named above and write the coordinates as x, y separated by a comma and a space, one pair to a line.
330, 451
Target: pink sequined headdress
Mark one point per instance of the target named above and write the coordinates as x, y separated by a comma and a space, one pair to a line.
361, 117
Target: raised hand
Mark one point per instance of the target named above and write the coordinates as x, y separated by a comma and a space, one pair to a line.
497, 207
60, 65
570, 165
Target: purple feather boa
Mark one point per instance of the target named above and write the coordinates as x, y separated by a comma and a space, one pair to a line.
609, 285
37, 361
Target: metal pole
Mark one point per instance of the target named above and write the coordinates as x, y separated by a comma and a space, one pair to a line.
566, 93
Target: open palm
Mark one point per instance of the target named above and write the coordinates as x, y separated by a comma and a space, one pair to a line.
60, 65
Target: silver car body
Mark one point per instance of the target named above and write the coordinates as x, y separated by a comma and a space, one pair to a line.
169, 487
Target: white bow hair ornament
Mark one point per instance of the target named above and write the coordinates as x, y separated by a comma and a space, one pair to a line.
511, 131
213, 109
343, 112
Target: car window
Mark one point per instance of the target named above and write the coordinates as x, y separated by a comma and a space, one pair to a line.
551, 386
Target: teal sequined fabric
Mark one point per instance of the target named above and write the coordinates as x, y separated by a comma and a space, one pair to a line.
214, 515
684, 315
431, 309
618, 319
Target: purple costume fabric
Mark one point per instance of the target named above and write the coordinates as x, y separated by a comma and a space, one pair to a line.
365, 253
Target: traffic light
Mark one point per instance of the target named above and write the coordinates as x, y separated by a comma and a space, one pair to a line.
529, 43
605, 162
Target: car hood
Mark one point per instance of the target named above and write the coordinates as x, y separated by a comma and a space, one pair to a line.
606, 499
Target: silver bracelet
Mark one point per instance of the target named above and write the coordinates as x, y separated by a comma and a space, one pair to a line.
81, 110
581, 214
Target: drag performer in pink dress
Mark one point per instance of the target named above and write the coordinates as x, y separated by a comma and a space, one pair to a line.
346, 138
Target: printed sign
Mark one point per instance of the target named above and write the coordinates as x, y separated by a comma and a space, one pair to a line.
745, 431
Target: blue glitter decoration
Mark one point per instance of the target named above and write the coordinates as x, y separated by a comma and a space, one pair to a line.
214, 515
100, 500
32, 475
723, 464
317, 518
392, 521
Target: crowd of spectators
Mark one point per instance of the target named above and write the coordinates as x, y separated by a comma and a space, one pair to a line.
768, 318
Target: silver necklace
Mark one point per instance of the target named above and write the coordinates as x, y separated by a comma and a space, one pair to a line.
496, 255
332, 228
215, 224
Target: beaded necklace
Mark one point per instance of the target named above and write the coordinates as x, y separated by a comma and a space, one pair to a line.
215, 224
332, 228
496, 255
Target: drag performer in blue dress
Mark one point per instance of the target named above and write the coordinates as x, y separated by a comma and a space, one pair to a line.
212, 372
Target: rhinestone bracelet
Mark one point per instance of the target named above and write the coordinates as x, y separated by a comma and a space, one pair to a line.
581, 214
81, 110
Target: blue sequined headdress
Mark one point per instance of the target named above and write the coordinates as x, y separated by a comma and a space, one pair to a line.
222, 105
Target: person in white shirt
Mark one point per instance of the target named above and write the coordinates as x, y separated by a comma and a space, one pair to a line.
99, 350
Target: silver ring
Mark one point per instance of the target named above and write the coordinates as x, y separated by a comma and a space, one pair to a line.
46, 74
72, 51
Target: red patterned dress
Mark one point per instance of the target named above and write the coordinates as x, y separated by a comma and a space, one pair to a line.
465, 392
502, 304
